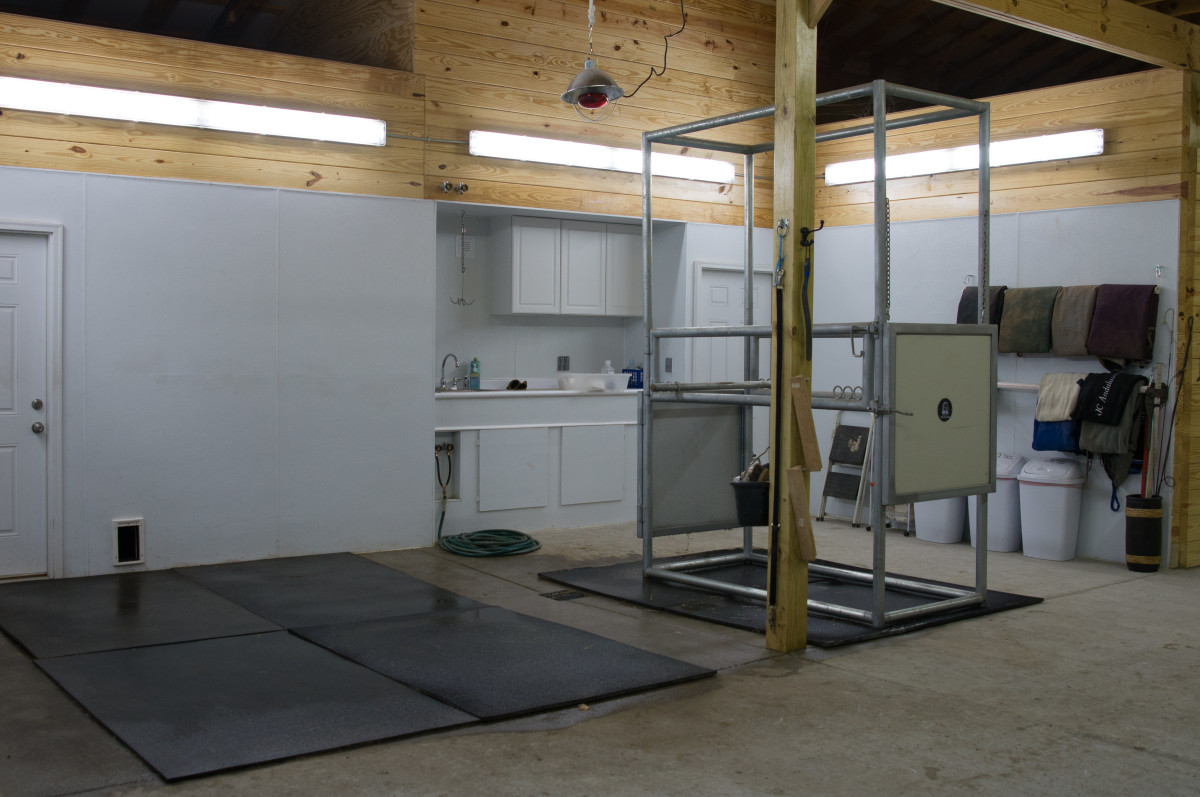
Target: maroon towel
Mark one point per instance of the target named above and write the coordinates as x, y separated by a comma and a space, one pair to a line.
1123, 322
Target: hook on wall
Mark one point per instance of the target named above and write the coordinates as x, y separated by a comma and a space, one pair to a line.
448, 186
806, 235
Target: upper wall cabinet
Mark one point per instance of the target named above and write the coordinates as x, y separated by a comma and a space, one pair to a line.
568, 267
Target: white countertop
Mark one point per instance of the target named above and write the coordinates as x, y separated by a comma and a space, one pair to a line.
494, 393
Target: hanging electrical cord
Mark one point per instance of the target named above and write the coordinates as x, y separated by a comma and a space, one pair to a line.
489, 542
666, 45
1165, 431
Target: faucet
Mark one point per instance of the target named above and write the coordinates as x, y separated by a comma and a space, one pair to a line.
453, 384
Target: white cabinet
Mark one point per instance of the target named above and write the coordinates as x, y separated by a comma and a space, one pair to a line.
623, 261
583, 266
526, 280
564, 267
513, 469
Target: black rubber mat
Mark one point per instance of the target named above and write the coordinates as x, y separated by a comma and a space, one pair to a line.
495, 663
624, 582
317, 590
82, 615
201, 707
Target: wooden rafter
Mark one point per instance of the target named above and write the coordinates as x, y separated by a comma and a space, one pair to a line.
1117, 26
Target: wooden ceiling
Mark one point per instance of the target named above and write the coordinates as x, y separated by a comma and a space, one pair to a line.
913, 42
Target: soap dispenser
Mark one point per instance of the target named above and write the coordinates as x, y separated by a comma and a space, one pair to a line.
607, 369
473, 381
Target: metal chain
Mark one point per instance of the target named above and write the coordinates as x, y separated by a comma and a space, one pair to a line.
887, 261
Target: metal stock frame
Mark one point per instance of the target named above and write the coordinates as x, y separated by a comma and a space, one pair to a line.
752, 391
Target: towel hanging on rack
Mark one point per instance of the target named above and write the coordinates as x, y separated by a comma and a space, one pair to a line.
968, 304
1057, 396
1072, 320
1124, 321
1025, 325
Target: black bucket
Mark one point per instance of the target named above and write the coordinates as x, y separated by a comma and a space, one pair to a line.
1143, 533
752, 501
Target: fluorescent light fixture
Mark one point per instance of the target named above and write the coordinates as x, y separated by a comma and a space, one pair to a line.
163, 109
595, 156
1079, 144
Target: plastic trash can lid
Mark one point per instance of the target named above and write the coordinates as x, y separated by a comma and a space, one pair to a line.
1052, 471
1008, 466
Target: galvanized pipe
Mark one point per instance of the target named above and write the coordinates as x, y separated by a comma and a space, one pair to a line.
878, 460
709, 124
897, 582
701, 143
842, 95
932, 98
851, 330
855, 405
984, 280
749, 344
932, 608
645, 515
707, 561
893, 124
837, 610
739, 399
710, 584
753, 330
698, 387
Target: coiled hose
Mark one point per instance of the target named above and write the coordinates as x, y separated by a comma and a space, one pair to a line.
488, 542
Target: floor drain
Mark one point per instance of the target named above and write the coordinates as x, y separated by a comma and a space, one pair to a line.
563, 595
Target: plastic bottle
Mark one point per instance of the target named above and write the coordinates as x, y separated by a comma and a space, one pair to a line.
607, 369
473, 382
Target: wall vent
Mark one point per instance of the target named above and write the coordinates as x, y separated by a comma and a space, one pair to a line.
129, 537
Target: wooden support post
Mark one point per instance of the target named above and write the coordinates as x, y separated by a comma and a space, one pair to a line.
795, 200
1185, 532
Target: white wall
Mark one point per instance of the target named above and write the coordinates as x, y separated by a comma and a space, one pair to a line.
1115, 243
246, 368
508, 346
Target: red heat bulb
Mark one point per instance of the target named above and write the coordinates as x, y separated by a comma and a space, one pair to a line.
592, 100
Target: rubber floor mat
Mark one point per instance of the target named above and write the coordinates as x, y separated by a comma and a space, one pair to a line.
201, 707
316, 590
67, 616
495, 663
624, 581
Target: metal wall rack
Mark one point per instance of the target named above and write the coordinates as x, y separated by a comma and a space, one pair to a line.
750, 392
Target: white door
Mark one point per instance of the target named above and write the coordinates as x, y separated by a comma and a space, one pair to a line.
720, 301
23, 404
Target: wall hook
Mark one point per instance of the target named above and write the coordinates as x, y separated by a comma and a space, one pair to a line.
446, 187
806, 235
461, 188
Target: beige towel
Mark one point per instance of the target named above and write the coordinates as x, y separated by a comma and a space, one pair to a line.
1057, 396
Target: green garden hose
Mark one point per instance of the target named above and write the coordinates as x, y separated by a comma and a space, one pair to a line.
488, 542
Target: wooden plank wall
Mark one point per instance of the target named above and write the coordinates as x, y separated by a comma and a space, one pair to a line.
1141, 116
48, 50
501, 65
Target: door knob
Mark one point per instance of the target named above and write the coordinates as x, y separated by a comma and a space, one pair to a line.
38, 427
37, 404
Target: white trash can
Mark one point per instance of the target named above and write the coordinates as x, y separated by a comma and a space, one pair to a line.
1003, 506
941, 520
1051, 497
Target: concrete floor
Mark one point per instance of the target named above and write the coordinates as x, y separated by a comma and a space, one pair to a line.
1096, 691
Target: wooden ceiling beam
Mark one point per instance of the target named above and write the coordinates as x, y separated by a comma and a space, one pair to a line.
1116, 26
